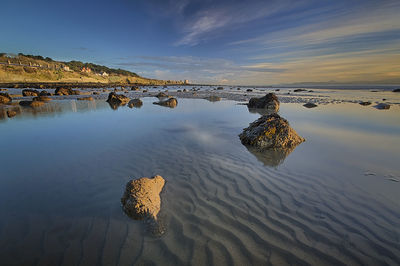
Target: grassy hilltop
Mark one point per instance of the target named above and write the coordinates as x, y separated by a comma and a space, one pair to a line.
23, 68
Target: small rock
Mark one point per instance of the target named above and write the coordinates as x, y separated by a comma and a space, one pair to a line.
5, 98
135, 88
42, 99
213, 98
30, 92
44, 93
171, 102
396, 90
117, 99
382, 106
135, 103
365, 103
269, 101
66, 91
141, 198
161, 95
249, 90
299, 90
11, 113
85, 99
310, 105
31, 103
220, 88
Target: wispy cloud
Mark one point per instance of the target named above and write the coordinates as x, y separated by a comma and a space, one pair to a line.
211, 20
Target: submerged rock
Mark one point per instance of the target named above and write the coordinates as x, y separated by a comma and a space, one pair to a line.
67, 91
269, 101
141, 198
270, 132
299, 90
396, 90
5, 98
30, 92
382, 106
171, 102
135, 103
310, 105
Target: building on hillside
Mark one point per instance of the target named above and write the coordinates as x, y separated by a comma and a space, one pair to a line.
66, 68
104, 74
86, 70
186, 81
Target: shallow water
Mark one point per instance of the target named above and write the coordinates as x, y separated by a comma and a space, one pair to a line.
333, 200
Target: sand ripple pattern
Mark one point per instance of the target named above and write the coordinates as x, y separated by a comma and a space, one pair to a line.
219, 209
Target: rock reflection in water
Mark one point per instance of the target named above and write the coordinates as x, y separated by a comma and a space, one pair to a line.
271, 157
261, 111
50, 108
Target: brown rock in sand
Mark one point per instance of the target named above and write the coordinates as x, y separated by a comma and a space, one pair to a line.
270, 132
142, 197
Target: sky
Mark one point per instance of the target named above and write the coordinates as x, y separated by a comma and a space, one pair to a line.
253, 42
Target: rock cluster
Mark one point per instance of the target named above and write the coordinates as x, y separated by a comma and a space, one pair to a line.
270, 132
171, 102
269, 101
141, 198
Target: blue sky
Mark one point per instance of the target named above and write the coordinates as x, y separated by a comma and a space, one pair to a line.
234, 42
